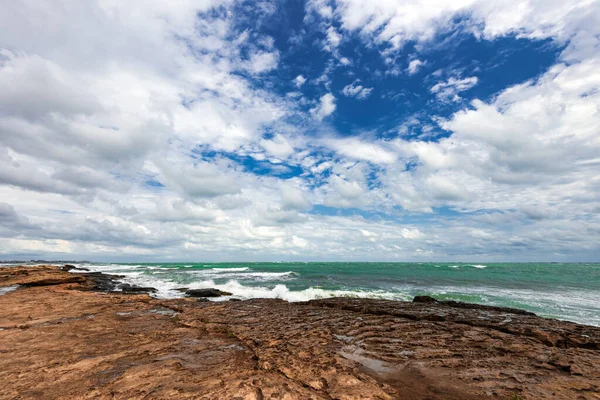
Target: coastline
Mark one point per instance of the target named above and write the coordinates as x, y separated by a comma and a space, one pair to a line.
567, 292
98, 343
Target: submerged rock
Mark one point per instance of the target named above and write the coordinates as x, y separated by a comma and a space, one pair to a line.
206, 293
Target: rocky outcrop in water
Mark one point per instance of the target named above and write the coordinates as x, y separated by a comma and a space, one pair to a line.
206, 293
67, 341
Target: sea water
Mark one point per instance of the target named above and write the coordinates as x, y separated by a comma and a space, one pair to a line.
564, 291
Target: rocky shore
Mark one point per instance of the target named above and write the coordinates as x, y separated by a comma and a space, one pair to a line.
87, 336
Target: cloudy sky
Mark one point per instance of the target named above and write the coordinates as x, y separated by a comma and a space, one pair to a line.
300, 130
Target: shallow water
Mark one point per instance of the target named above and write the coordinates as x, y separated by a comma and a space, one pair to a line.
565, 291
7, 289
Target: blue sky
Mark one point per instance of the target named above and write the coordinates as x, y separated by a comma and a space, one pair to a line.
300, 130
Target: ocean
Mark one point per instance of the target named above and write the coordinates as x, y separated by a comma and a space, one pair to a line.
569, 291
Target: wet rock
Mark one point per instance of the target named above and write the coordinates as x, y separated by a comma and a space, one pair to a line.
70, 267
206, 293
133, 289
99, 282
424, 299
470, 306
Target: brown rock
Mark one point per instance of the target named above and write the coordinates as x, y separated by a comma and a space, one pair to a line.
55, 281
42, 275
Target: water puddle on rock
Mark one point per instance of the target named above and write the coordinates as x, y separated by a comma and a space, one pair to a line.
356, 354
8, 289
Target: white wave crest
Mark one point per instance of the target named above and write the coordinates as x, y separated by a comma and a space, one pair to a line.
257, 276
281, 291
479, 266
230, 269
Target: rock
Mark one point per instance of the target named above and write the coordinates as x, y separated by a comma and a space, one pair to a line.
97, 281
458, 304
470, 306
70, 267
206, 293
424, 299
133, 289
105, 345
39, 275
55, 281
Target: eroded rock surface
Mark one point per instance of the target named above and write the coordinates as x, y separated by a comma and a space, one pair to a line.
66, 341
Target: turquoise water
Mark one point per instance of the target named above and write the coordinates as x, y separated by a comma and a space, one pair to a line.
564, 291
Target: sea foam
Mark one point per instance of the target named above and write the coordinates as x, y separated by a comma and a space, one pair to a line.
230, 269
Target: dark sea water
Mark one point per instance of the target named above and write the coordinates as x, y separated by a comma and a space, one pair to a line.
564, 291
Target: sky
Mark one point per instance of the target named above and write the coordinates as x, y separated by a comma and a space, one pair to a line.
289, 130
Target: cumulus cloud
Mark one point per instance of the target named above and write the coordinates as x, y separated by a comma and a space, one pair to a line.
324, 8
277, 146
299, 81
325, 108
333, 39
362, 150
261, 61
356, 90
155, 139
396, 22
414, 66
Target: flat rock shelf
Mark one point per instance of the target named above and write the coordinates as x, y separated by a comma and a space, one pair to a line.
85, 335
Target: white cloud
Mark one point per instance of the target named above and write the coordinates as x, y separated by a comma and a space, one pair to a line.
202, 180
399, 21
343, 193
449, 89
325, 108
362, 150
278, 146
535, 143
356, 90
261, 62
299, 81
333, 39
323, 8
414, 66
104, 147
